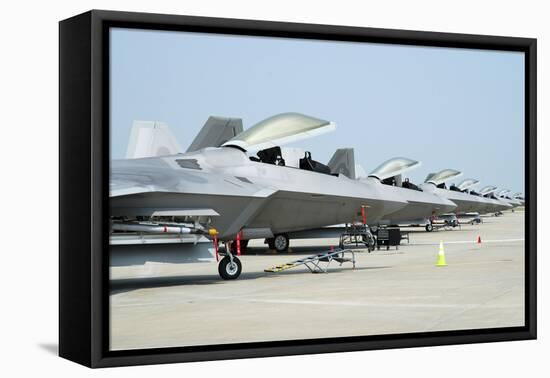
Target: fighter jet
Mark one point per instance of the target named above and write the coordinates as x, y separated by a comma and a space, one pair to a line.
421, 206
504, 195
229, 194
519, 196
495, 205
436, 183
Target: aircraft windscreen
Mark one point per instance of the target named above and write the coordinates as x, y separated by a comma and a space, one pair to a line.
280, 129
393, 167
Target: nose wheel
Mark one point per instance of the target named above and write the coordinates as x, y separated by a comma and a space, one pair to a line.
230, 267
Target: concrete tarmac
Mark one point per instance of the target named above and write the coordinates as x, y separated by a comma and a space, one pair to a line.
396, 291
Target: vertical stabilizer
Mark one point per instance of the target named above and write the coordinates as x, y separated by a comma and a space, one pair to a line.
215, 132
343, 162
151, 138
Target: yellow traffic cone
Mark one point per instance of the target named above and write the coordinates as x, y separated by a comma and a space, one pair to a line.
441, 255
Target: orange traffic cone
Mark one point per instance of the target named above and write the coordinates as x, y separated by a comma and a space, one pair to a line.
478, 239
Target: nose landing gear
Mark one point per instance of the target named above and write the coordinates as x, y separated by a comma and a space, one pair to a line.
230, 267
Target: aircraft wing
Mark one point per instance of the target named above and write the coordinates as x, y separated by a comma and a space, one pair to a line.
154, 187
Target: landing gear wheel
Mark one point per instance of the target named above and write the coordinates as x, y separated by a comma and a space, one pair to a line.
280, 242
369, 241
429, 227
229, 270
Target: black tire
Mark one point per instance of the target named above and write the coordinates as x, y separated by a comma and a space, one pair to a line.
369, 241
228, 272
429, 227
280, 243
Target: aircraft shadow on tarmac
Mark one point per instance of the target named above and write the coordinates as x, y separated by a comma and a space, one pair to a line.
437, 232
119, 286
168, 255
293, 251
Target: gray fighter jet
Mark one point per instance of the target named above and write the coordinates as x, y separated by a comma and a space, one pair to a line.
229, 194
436, 183
466, 201
504, 195
495, 205
422, 205
520, 197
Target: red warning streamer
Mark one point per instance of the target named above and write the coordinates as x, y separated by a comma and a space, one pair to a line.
215, 241
239, 243
363, 215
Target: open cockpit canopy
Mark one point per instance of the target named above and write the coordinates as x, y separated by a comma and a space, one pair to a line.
278, 130
393, 167
443, 176
467, 183
486, 190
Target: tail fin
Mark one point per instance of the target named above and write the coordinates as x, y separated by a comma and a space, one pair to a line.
151, 138
215, 132
343, 162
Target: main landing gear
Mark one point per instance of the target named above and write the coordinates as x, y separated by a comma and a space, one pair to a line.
280, 243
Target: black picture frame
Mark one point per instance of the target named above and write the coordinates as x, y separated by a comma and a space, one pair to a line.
84, 169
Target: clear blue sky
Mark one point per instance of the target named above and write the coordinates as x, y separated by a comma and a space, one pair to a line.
449, 108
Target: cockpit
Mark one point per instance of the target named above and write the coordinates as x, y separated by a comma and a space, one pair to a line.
274, 155
464, 185
488, 191
407, 184
440, 178
391, 172
267, 136
454, 188
271, 155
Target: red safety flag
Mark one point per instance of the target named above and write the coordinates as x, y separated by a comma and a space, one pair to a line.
215, 241
239, 243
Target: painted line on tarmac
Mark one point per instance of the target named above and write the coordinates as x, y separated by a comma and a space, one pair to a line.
471, 241
370, 304
464, 306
